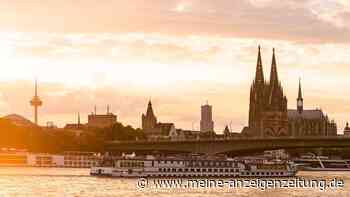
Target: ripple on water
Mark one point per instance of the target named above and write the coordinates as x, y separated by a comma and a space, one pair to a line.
25, 181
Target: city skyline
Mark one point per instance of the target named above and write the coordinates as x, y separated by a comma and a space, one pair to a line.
176, 56
193, 126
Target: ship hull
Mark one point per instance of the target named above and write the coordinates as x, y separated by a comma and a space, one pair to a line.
193, 168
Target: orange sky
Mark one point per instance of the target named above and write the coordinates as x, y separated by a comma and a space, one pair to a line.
178, 52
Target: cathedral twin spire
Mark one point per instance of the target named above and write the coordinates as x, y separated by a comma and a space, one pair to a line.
267, 100
272, 91
259, 73
273, 73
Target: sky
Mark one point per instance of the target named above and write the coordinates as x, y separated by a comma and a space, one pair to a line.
178, 53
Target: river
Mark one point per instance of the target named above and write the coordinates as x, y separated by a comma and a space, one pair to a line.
27, 181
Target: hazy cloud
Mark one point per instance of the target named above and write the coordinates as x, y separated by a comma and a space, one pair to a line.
304, 21
179, 52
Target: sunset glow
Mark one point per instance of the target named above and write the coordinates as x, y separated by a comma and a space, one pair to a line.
180, 53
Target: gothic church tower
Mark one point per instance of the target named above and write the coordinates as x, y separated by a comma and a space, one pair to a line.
268, 104
149, 121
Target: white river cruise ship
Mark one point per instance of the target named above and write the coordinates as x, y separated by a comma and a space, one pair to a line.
188, 167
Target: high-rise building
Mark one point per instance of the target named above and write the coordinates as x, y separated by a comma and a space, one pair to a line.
36, 102
268, 104
207, 123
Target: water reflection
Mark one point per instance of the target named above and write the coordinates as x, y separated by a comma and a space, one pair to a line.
26, 181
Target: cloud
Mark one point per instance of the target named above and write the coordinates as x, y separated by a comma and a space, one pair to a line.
301, 21
179, 52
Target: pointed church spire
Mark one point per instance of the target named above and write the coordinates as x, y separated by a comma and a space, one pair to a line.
149, 111
276, 91
300, 105
273, 73
149, 120
259, 73
300, 96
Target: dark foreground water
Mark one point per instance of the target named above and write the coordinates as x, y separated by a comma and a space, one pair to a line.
16, 181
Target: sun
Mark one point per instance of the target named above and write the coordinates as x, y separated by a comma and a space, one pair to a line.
182, 6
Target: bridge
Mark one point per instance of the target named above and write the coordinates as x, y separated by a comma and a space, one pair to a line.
228, 146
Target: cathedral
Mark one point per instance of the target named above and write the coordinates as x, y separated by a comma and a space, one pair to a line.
268, 113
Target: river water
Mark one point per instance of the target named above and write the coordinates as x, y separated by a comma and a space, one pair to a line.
26, 181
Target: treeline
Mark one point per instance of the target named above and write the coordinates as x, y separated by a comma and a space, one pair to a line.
53, 140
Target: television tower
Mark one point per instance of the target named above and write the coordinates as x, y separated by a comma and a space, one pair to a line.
36, 102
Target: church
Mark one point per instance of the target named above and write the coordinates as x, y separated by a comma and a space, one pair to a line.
268, 105
268, 113
309, 122
154, 129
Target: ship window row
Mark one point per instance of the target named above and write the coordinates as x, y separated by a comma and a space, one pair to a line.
212, 163
201, 163
262, 173
271, 167
79, 163
79, 158
197, 170
43, 162
131, 164
43, 158
170, 162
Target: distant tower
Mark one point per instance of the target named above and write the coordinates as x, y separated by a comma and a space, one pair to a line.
207, 123
300, 99
78, 119
36, 102
149, 120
